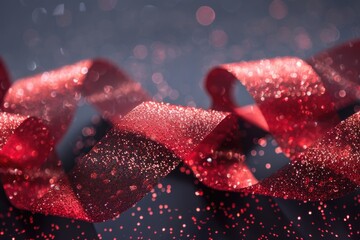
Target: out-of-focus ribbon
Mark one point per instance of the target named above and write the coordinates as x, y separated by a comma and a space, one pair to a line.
296, 101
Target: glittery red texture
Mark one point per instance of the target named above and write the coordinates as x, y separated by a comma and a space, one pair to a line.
290, 96
339, 69
296, 102
53, 96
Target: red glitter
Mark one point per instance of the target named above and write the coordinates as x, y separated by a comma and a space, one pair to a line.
295, 102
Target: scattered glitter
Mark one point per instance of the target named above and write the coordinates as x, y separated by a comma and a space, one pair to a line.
150, 139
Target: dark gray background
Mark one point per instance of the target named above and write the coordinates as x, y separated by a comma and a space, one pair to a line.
38, 35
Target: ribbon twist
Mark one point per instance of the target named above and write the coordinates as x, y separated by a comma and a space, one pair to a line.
296, 102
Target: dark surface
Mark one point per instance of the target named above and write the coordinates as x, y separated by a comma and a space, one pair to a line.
38, 35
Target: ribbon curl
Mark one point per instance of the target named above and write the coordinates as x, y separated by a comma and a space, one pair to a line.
296, 101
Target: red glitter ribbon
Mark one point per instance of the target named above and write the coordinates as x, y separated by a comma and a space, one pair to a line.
296, 102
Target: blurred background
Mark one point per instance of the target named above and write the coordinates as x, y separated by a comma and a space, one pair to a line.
169, 46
